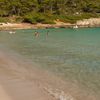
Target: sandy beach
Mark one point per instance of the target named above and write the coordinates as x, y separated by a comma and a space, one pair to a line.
9, 26
20, 81
14, 84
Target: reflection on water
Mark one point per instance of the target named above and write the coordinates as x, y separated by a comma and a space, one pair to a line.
72, 53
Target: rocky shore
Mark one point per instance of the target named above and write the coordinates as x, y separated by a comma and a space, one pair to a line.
92, 22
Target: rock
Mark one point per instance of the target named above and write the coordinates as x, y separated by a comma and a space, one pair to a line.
89, 22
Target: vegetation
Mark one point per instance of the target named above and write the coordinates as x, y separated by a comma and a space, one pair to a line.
46, 11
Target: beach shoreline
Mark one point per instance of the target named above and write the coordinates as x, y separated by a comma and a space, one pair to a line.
21, 83
17, 83
92, 22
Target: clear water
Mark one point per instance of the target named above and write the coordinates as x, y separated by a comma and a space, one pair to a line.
71, 53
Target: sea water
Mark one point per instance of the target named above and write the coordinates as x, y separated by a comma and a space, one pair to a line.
73, 54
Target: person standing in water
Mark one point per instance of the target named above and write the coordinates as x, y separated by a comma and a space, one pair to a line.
36, 34
47, 33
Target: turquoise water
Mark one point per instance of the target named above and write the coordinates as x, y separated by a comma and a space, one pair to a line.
70, 53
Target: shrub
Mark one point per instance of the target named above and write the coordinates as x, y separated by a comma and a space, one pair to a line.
3, 19
34, 18
18, 19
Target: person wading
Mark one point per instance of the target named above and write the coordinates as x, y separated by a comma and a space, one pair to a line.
36, 34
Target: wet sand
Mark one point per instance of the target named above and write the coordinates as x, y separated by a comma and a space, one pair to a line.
3, 94
14, 84
21, 80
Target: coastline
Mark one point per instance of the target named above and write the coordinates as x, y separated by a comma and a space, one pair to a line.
17, 82
92, 22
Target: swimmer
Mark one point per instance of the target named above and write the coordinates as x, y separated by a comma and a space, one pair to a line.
36, 34
47, 33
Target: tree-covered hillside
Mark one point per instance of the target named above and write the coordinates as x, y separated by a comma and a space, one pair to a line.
45, 11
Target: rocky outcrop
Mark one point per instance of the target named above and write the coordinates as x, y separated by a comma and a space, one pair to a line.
92, 22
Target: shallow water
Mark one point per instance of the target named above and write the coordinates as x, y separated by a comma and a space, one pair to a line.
73, 54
